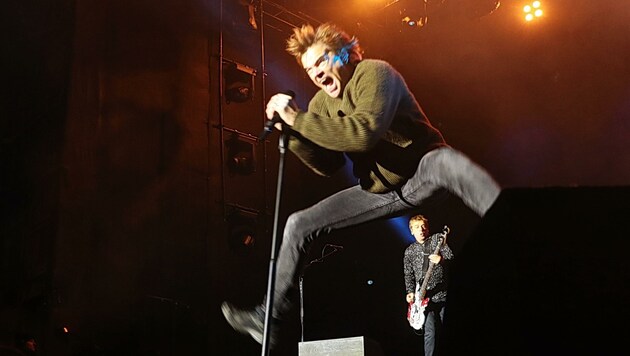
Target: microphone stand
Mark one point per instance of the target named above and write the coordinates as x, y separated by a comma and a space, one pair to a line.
282, 145
317, 260
302, 306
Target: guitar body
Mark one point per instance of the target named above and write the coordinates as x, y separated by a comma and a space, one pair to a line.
415, 312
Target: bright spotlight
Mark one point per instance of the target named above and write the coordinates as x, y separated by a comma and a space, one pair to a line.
533, 11
409, 22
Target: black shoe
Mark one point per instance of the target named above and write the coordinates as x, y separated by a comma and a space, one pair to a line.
250, 322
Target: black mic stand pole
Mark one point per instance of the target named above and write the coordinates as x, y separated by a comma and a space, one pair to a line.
282, 145
321, 259
302, 307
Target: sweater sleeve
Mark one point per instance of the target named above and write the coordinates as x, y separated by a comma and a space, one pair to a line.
375, 91
320, 160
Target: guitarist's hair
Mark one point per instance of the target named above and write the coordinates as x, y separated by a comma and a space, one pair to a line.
423, 219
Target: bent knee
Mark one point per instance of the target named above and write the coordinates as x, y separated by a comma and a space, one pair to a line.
298, 232
445, 162
292, 225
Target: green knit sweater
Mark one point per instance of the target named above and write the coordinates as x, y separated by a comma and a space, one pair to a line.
377, 123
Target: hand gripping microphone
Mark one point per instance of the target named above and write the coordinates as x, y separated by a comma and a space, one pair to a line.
268, 128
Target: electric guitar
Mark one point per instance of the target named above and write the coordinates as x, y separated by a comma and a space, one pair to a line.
415, 311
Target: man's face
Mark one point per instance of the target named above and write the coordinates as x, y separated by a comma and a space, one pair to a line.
325, 69
417, 230
31, 345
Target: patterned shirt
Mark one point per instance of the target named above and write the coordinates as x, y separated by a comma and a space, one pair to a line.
416, 263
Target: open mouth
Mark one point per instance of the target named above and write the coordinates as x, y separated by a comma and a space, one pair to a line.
329, 85
326, 82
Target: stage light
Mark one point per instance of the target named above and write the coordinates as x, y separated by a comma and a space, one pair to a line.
241, 155
242, 227
62, 332
409, 22
533, 11
417, 21
238, 81
251, 12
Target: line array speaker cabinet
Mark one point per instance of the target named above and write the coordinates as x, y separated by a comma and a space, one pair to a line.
546, 272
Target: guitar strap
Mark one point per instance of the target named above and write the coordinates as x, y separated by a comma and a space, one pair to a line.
425, 263
425, 256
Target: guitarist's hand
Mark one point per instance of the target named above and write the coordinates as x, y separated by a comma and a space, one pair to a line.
410, 298
435, 258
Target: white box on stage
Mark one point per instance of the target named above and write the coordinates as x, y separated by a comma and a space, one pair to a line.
350, 346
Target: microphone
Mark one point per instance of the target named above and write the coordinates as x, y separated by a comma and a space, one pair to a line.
268, 128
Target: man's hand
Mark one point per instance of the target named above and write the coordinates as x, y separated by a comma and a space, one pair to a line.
409, 297
284, 105
435, 258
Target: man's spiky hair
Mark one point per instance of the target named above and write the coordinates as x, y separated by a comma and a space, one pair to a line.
329, 34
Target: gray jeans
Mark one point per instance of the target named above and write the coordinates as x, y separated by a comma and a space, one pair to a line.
443, 168
432, 328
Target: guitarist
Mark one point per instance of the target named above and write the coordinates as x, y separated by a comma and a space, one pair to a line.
416, 262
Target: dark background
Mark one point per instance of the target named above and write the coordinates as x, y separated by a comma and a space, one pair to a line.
117, 144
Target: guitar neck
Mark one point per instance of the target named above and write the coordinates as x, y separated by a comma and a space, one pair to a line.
425, 282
